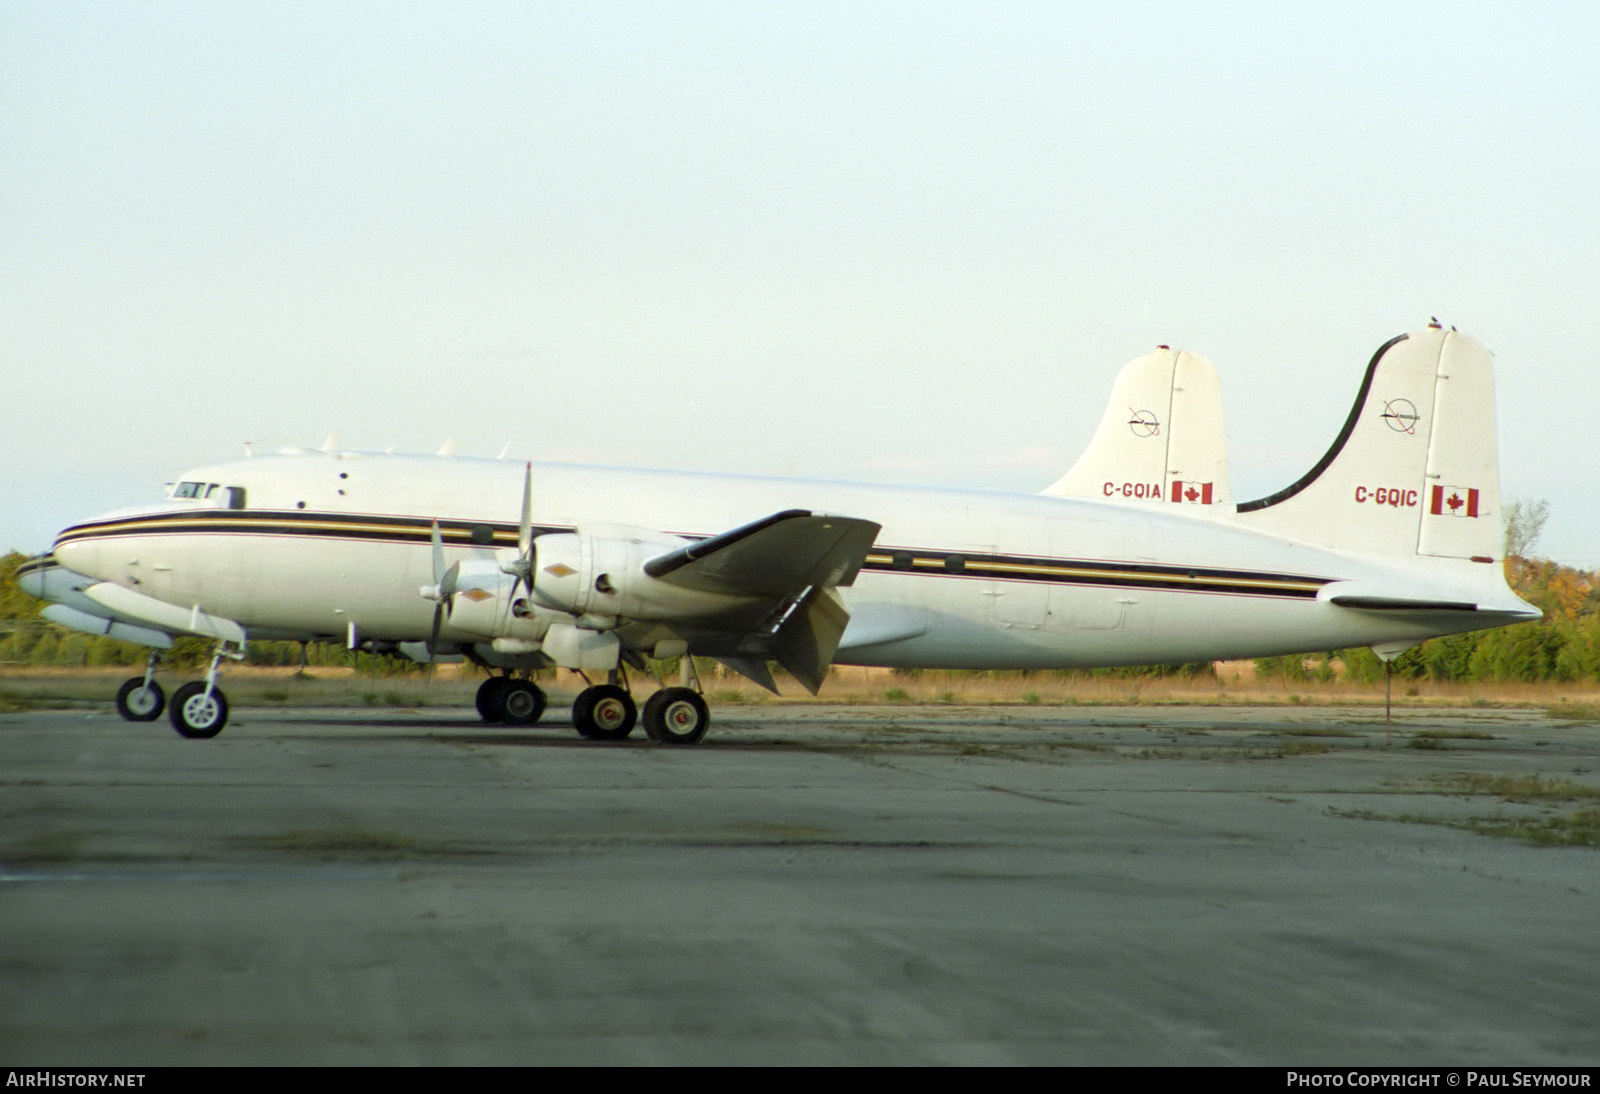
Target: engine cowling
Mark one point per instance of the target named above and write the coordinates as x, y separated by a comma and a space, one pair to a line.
597, 573
484, 604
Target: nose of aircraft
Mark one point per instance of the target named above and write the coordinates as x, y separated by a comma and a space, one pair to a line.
81, 551
33, 574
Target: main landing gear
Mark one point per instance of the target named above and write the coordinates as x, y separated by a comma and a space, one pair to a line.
601, 712
676, 716
514, 702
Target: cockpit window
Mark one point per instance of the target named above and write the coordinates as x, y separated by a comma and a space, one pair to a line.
188, 490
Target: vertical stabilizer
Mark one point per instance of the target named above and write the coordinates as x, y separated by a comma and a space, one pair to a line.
1414, 470
1160, 443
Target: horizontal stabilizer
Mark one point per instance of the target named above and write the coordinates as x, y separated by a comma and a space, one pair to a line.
776, 556
1401, 604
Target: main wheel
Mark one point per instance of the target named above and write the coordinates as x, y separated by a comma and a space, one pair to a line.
676, 716
490, 699
137, 703
604, 713
521, 702
196, 713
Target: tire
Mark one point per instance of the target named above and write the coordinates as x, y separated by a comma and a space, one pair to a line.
604, 713
676, 716
522, 703
137, 703
490, 699
195, 714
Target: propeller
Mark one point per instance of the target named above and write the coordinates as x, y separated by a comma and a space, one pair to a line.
442, 591
522, 567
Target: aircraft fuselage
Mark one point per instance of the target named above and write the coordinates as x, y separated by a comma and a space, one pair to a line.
329, 545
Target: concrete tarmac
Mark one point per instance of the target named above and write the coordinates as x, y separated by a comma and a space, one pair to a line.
813, 885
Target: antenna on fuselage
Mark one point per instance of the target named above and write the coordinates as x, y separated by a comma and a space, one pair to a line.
330, 443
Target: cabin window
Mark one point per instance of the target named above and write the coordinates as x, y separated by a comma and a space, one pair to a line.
901, 560
954, 563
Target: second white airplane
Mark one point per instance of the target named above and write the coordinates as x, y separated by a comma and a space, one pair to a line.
1136, 556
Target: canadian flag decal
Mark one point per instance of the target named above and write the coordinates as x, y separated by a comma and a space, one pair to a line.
1191, 493
1454, 501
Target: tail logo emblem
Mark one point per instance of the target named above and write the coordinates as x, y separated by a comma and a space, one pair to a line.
1143, 423
1401, 415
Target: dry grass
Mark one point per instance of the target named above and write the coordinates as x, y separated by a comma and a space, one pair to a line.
1536, 820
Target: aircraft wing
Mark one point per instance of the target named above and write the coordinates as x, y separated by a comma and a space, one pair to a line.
777, 556
794, 560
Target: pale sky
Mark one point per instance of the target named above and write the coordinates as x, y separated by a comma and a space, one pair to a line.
899, 242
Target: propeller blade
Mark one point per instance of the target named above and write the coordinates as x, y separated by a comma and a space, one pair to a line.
433, 639
443, 591
447, 587
438, 555
522, 568
525, 531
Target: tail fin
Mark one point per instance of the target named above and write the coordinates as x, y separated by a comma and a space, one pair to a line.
1160, 443
1414, 470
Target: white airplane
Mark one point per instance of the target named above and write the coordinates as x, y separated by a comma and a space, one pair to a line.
1135, 556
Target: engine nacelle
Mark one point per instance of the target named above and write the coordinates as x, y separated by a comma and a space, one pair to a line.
597, 573
483, 604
